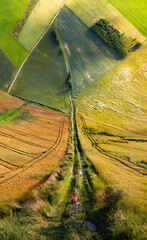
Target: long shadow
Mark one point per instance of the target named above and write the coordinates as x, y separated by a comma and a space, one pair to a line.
102, 217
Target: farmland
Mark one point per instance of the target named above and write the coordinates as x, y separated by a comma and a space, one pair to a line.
9, 17
38, 137
92, 11
7, 102
89, 58
7, 72
134, 11
113, 134
76, 118
38, 22
43, 77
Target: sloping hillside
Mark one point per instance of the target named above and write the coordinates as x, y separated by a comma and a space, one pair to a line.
112, 118
33, 141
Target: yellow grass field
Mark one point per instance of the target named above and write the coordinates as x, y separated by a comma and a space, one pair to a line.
112, 125
118, 172
30, 147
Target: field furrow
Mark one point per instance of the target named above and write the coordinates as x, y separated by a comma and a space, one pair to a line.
30, 147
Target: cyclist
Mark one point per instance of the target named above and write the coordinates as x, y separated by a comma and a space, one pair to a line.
74, 197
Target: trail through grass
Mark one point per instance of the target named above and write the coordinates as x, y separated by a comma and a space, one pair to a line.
43, 78
89, 58
11, 11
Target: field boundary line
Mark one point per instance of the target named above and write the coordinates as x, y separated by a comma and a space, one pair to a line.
22, 140
99, 149
35, 46
16, 150
25, 134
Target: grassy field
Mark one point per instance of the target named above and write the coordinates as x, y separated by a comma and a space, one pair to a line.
43, 78
135, 11
89, 58
11, 11
32, 145
114, 136
38, 21
7, 72
92, 11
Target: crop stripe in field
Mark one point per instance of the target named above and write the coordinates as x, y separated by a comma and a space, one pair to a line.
21, 152
130, 165
5, 167
14, 165
21, 140
39, 158
36, 46
43, 153
26, 134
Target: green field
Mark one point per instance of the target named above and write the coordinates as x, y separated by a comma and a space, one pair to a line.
7, 72
10, 12
43, 77
38, 21
89, 58
135, 11
92, 11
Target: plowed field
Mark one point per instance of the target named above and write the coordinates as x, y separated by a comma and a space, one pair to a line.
7, 101
30, 149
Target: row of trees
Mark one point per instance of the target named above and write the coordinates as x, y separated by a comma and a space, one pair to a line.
112, 37
18, 28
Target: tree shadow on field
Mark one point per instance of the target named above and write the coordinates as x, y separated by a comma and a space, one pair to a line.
101, 216
99, 43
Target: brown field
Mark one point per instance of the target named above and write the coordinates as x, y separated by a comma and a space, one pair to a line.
30, 149
7, 101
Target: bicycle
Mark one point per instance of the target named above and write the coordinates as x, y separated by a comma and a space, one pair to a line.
75, 209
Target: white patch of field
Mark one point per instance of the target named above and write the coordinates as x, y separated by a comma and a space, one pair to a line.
67, 48
38, 21
79, 50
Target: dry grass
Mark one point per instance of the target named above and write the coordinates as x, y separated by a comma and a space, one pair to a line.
115, 138
7, 101
117, 174
31, 147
